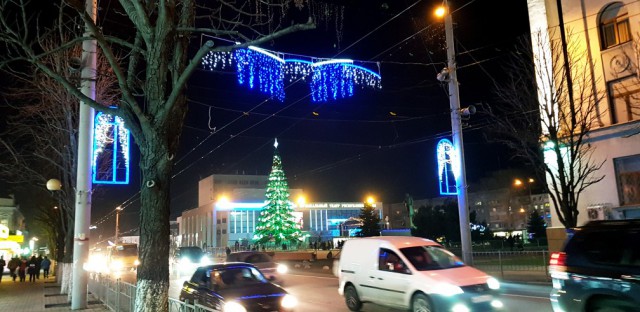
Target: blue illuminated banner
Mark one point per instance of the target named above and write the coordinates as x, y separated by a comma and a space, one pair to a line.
111, 148
447, 164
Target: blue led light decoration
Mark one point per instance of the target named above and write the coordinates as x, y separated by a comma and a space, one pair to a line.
329, 79
448, 165
255, 63
111, 148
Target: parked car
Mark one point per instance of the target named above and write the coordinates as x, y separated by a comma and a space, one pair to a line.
598, 268
263, 261
412, 273
235, 286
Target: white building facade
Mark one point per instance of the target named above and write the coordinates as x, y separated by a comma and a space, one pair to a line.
229, 207
607, 32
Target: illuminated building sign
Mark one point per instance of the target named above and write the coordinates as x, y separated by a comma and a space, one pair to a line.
447, 164
111, 148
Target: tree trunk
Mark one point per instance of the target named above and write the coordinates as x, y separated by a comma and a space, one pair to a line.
67, 262
152, 291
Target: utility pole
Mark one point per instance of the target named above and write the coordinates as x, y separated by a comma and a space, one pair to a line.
118, 209
83, 177
456, 130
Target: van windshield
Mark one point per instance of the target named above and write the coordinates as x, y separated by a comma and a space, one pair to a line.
126, 250
425, 258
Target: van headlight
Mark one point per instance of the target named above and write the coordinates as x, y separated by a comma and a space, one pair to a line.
447, 290
136, 262
289, 302
493, 283
282, 269
233, 306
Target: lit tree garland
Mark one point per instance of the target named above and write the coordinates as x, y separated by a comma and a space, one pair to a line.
330, 79
276, 222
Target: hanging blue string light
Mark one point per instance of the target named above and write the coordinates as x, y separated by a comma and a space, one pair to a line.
329, 79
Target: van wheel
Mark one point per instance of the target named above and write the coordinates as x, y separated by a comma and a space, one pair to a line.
352, 299
421, 303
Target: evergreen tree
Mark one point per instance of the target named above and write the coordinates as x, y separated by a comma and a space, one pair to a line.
370, 221
536, 225
276, 221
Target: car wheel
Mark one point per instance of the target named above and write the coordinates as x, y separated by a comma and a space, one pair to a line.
352, 299
610, 305
421, 303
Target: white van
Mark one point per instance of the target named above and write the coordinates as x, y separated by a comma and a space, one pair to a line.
412, 273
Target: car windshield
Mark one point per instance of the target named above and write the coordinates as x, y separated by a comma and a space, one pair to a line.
126, 250
236, 277
190, 252
425, 258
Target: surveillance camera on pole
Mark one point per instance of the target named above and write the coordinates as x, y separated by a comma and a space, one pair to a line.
443, 75
467, 111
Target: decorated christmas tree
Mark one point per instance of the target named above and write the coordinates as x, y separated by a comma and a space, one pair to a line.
276, 222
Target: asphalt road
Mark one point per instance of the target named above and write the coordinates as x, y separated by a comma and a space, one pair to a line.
319, 292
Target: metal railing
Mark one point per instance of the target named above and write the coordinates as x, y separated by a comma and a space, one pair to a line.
120, 296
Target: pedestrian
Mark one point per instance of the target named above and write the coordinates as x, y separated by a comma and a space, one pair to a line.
22, 269
13, 264
227, 250
31, 268
45, 265
2, 265
38, 266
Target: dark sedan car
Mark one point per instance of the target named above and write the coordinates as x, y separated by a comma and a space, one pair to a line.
235, 286
272, 270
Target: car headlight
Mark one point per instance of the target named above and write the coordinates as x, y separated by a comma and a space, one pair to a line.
493, 283
447, 290
205, 261
282, 269
233, 306
185, 261
136, 263
289, 302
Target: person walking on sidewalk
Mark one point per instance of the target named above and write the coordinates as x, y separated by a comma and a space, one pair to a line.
31, 270
22, 269
14, 263
38, 266
45, 264
2, 265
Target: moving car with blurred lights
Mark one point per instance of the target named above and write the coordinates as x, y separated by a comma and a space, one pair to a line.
122, 257
192, 255
263, 261
598, 268
235, 287
412, 273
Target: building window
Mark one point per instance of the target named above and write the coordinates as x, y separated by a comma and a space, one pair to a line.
625, 100
628, 179
224, 220
224, 231
614, 25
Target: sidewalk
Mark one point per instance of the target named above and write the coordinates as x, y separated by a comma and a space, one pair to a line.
41, 295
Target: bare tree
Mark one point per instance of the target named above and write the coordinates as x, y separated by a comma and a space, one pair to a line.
547, 108
152, 80
41, 143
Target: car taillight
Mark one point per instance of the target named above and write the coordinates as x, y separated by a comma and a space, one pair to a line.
557, 262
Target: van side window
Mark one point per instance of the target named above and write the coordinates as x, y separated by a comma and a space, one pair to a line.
390, 262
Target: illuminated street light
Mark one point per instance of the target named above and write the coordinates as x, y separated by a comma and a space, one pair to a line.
301, 200
371, 200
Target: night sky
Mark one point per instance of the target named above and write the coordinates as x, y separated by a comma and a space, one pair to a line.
379, 142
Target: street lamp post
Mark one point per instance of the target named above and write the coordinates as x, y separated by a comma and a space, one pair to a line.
84, 185
118, 209
456, 131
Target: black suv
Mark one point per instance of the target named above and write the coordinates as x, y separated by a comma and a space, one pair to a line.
599, 268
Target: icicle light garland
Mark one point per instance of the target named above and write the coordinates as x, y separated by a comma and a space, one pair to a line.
329, 79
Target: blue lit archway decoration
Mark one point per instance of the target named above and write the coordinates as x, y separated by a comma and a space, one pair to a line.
329, 79
447, 165
111, 148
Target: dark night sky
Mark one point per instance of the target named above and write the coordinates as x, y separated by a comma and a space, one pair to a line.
353, 147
